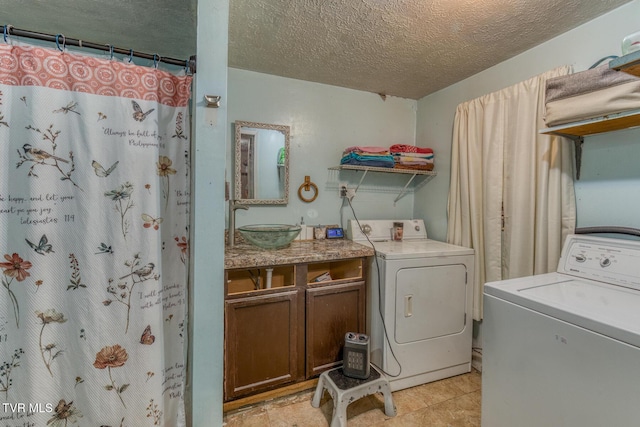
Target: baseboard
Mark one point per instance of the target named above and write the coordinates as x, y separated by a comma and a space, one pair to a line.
269, 395
476, 359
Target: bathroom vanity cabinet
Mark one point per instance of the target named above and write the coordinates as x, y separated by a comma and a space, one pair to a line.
263, 339
294, 329
333, 308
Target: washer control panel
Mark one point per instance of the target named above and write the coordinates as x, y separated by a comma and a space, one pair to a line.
381, 230
615, 261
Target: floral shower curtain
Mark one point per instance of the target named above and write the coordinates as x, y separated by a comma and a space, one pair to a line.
94, 207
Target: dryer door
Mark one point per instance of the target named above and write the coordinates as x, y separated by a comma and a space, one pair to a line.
430, 302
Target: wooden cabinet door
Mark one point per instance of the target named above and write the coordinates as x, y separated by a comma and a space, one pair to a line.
332, 311
262, 336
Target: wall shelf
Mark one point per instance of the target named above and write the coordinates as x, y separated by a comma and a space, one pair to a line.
366, 169
629, 63
608, 123
576, 131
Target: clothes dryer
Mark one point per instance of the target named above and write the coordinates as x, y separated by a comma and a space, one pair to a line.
418, 303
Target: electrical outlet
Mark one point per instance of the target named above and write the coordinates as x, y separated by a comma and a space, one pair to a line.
342, 189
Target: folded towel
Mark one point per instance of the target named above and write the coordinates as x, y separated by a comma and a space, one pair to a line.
281, 157
427, 167
412, 156
414, 162
364, 153
366, 160
403, 148
366, 149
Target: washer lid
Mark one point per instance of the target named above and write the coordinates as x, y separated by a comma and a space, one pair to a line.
607, 309
418, 249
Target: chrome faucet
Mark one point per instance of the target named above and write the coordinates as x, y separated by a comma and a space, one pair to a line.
233, 207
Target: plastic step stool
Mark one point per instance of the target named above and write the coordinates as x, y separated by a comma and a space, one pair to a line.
345, 390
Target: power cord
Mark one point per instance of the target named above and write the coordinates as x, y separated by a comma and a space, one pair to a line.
255, 278
384, 325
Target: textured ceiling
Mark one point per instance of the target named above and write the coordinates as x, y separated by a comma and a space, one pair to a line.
406, 48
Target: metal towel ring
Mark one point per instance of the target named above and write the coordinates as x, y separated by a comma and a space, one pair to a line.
307, 185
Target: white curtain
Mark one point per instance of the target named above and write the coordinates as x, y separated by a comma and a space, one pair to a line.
94, 201
511, 195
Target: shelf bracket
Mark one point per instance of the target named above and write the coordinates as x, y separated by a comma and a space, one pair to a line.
365, 169
578, 147
361, 179
578, 140
404, 189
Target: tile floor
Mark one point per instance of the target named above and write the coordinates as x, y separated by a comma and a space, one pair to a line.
452, 402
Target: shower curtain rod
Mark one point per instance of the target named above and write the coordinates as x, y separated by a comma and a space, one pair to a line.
61, 39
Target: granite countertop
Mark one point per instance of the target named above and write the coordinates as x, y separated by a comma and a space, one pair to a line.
245, 255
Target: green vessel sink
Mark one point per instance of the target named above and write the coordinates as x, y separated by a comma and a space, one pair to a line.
270, 236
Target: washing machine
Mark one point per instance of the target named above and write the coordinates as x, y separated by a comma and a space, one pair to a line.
419, 302
563, 348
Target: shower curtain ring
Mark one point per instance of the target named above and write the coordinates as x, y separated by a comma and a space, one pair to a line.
7, 32
58, 42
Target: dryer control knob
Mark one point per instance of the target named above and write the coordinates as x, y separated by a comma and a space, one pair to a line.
417, 228
366, 229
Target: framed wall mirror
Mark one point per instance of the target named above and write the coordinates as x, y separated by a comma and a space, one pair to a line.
261, 175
